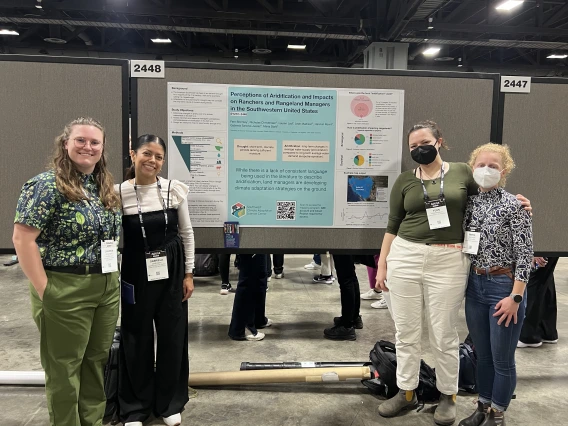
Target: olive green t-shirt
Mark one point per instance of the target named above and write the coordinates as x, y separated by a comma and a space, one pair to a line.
407, 217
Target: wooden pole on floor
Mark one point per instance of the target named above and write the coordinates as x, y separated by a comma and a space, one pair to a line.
247, 377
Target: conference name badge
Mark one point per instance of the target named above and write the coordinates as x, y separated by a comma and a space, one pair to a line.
109, 256
157, 265
471, 241
437, 213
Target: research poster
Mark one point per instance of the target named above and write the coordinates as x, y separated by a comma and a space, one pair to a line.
280, 156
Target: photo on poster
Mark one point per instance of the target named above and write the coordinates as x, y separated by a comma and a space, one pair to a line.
367, 189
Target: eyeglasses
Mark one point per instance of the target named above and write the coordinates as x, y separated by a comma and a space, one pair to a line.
95, 144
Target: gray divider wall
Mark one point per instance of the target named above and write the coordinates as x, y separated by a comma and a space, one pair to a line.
37, 98
461, 103
536, 127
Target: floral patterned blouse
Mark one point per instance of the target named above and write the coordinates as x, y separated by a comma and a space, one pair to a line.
71, 232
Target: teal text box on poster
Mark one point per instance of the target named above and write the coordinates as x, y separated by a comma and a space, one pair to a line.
281, 157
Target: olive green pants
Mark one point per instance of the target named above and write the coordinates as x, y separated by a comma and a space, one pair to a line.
76, 321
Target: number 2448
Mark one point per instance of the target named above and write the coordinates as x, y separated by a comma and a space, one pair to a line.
149, 68
513, 83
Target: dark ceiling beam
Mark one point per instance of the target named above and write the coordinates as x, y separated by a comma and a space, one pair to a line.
225, 5
213, 4
321, 6
250, 15
117, 37
346, 7
559, 15
526, 56
321, 46
280, 6
215, 40
266, 4
29, 32
492, 29
75, 33
405, 13
460, 8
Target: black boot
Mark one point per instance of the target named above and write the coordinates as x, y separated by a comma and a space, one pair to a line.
494, 418
477, 417
340, 332
357, 324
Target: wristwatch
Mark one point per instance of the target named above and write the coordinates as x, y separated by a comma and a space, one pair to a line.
518, 298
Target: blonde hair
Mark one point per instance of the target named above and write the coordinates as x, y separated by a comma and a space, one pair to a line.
503, 151
434, 129
68, 177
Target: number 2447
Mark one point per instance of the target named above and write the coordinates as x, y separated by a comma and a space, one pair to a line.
513, 83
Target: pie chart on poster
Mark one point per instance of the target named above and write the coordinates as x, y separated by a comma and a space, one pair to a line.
359, 139
359, 160
361, 106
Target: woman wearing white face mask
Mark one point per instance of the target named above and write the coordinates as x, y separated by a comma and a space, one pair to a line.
498, 237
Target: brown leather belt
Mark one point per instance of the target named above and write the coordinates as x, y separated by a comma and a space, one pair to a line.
494, 270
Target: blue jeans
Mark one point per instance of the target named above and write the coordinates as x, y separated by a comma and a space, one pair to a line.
495, 344
317, 259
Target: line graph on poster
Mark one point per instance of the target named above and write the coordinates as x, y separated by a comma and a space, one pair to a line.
364, 217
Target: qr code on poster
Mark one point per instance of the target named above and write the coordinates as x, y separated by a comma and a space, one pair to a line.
285, 210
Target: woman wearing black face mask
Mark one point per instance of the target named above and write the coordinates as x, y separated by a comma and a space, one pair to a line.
423, 266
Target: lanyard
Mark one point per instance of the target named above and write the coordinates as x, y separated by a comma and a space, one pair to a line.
159, 186
426, 197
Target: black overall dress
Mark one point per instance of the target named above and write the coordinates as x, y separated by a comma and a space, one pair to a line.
143, 391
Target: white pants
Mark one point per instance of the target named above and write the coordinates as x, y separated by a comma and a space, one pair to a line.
432, 280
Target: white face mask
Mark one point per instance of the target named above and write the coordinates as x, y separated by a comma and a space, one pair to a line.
486, 177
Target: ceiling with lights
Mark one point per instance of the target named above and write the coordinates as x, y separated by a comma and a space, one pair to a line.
470, 33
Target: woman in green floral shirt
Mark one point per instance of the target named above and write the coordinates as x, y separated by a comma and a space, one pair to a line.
66, 233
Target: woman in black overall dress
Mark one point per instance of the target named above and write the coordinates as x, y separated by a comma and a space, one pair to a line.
154, 289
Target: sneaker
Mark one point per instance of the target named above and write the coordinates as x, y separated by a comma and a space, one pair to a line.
528, 345
340, 332
323, 279
312, 265
268, 323
269, 278
225, 289
357, 324
380, 304
372, 295
173, 420
550, 342
279, 276
254, 337
134, 424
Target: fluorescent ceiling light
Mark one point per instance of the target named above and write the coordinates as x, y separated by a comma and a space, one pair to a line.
509, 4
9, 32
297, 46
161, 40
430, 28
431, 51
557, 57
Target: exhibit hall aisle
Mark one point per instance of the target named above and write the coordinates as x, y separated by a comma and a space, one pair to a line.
300, 311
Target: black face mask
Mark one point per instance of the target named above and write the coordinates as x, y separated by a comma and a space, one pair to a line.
424, 154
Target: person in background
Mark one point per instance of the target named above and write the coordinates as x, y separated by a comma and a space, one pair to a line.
66, 235
327, 267
423, 267
278, 266
344, 326
157, 280
250, 299
224, 265
373, 293
540, 316
314, 264
498, 238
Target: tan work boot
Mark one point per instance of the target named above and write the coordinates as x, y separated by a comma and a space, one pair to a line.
445, 413
401, 401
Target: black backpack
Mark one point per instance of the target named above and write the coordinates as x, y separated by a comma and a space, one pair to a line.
111, 380
468, 367
383, 372
206, 265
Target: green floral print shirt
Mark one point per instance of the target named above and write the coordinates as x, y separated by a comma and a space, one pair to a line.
71, 232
